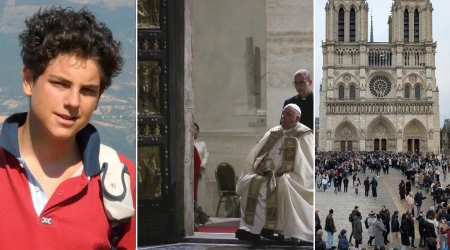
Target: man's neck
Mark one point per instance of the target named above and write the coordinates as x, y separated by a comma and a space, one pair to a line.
305, 95
289, 129
37, 145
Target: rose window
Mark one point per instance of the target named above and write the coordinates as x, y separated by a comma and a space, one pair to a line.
380, 86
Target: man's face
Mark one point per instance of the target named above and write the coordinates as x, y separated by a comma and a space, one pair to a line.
195, 132
302, 85
383, 208
289, 118
64, 97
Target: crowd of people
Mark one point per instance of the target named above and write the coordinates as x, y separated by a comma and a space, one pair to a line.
422, 171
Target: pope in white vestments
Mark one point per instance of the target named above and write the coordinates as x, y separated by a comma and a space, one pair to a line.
276, 187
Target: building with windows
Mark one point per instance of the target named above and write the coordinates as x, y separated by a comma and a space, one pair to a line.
379, 95
445, 137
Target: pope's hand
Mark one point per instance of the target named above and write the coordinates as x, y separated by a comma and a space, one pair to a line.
260, 169
279, 172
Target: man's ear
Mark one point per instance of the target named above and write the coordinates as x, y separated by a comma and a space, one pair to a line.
27, 81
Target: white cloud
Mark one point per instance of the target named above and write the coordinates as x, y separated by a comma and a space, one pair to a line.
110, 4
13, 17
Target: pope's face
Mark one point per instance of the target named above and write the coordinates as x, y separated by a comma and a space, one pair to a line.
302, 85
64, 97
289, 118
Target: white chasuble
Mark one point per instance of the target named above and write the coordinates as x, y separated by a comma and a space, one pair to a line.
283, 204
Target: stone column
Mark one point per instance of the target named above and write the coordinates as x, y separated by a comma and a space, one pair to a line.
411, 26
400, 25
346, 25
328, 22
188, 119
430, 24
357, 25
422, 25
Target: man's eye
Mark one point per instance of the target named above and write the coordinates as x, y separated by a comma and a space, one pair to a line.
89, 91
58, 83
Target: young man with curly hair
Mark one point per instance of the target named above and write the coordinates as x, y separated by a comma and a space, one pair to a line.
49, 156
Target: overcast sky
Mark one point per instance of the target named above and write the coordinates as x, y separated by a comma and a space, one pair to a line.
381, 10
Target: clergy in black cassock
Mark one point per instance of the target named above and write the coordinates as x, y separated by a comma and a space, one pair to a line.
304, 99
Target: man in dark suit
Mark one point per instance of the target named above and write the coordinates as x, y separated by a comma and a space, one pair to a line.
302, 83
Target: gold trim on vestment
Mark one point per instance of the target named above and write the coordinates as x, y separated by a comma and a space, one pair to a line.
252, 199
288, 160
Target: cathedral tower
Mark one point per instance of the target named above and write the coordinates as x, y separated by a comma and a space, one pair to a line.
379, 95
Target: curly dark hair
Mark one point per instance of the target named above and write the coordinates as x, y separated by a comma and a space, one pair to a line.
56, 30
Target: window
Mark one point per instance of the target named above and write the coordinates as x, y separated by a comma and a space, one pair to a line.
341, 92
417, 92
353, 57
352, 25
380, 86
407, 92
341, 25
340, 57
352, 92
416, 26
406, 26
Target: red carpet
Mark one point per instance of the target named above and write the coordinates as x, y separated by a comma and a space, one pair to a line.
217, 229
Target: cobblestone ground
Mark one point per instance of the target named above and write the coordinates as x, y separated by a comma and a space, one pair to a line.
343, 203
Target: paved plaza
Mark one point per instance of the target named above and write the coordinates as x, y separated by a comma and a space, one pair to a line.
343, 204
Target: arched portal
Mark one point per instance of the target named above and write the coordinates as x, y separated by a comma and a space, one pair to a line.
415, 137
381, 135
346, 137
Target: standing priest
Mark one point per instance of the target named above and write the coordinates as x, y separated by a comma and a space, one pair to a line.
305, 98
276, 187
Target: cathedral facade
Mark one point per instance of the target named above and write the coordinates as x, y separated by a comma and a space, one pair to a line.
379, 96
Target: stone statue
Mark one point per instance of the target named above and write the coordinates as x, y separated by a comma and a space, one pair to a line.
145, 82
145, 45
155, 84
149, 176
155, 14
155, 45
157, 131
146, 130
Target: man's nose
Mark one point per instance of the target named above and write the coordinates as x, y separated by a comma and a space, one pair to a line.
72, 98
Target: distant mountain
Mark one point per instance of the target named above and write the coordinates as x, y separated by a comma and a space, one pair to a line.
116, 116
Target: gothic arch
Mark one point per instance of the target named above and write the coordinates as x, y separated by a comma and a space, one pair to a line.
415, 137
407, 89
341, 5
418, 8
340, 84
380, 126
346, 131
353, 92
415, 129
413, 78
418, 84
407, 84
406, 7
346, 78
352, 5
341, 90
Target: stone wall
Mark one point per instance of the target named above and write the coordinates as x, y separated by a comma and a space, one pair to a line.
289, 48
